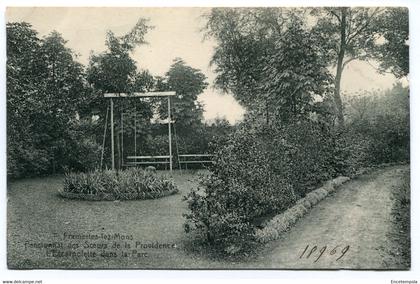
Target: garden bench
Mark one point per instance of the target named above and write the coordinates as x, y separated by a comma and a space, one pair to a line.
194, 159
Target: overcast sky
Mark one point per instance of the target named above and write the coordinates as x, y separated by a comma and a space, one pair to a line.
176, 34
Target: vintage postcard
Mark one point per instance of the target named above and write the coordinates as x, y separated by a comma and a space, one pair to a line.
208, 138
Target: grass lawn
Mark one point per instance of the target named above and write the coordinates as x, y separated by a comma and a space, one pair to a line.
38, 217
40, 220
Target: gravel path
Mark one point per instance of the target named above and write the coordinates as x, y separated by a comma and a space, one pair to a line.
357, 217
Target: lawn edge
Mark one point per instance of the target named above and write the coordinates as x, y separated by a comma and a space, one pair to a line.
284, 221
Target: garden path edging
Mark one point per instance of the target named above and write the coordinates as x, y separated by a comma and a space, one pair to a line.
283, 222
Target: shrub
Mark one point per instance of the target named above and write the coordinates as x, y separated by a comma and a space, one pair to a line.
260, 170
24, 160
74, 149
222, 212
111, 185
78, 150
308, 155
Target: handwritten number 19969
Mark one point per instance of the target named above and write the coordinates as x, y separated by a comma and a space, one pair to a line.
319, 253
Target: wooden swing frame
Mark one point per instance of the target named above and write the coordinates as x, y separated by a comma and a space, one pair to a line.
111, 96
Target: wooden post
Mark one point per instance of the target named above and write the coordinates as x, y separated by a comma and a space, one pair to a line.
112, 136
169, 132
135, 130
103, 140
122, 137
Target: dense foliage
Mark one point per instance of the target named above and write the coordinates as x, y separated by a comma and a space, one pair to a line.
45, 91
259, 170
393, 53
262, 169
378, 128
290, 141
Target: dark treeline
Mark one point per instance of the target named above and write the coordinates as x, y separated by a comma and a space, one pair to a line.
56, 111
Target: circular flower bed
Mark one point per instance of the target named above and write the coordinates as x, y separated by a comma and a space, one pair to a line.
111, 185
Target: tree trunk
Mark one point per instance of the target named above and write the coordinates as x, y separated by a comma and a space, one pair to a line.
337, 95
339, 71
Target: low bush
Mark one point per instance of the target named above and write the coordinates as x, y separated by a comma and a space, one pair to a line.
221, 213
26, 160
122, 185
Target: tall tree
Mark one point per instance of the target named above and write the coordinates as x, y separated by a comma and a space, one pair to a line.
347, 34
23, 70
188, 83
45, 87
115, 71
295, 74
244, 38
268, 60
23, 84
64, 92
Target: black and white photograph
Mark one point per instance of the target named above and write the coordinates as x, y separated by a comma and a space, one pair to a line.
211, 138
